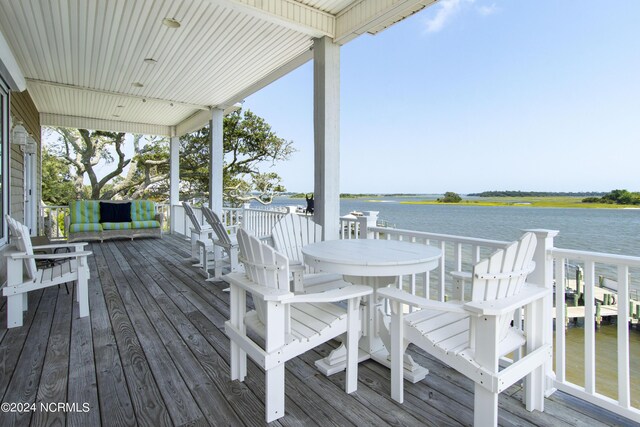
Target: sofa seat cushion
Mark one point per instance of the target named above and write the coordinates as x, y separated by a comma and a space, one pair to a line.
116, 226
146, 224
75, 228
143, 210
84, 211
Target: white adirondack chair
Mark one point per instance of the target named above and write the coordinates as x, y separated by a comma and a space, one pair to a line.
226, 240
471, 337
290, 324
20, 281
289, 235
199, 233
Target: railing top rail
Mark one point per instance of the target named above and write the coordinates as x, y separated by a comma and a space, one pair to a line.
268, 211
600, 257
437, 236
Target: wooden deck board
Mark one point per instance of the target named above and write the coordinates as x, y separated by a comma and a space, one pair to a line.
154, 352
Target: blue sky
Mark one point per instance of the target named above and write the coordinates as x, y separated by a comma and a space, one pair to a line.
468, 96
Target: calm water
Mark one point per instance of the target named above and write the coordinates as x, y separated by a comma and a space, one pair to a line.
614, 231
601, 230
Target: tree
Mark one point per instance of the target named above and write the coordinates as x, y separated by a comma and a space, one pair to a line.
450, 197
249, 144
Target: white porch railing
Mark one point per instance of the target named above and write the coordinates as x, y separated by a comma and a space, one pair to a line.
51, 221
259, 221
461, 253
622, 309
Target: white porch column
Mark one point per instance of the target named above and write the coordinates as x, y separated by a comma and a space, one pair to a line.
326, 123
216, 161
174, 178
543, 275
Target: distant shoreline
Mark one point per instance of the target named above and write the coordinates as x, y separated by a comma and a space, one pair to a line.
528, 202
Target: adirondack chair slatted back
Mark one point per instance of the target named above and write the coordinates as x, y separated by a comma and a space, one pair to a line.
503, 274
218, 228
293, 232
23, 244
263, 265
192, 216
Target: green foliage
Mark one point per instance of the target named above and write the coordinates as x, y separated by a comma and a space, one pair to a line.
617, 197
533, 194
450, 197
57, 183
249, 143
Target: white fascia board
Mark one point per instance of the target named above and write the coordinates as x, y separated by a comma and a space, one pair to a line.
199, 120
9, 68
365, 15
286, 13
60, 120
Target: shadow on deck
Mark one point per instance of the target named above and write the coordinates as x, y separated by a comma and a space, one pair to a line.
154, 352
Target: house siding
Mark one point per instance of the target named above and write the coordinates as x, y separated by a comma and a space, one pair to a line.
23, 110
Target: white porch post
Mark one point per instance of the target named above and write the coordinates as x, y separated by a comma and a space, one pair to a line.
216, 161
174, 178
326, 123
543, 274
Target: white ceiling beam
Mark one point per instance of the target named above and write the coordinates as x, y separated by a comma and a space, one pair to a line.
117, 94
9, 67
366, 15
61, 120
286, 13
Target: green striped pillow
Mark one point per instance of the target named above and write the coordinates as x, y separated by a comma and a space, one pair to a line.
84, 211
143, 210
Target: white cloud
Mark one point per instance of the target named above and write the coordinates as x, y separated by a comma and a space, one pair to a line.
448, 9
487, 10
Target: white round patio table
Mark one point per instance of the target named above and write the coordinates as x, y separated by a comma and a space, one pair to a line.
376, 263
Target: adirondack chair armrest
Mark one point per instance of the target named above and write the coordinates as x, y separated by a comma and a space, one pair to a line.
267, 294
334, 295
527, 295
23, 255
461, 275
76, 245
403, 297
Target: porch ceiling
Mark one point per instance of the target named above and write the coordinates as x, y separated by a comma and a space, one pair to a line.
81, 58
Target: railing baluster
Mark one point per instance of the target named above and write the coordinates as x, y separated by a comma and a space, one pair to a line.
589, 329
560, 320
624, 391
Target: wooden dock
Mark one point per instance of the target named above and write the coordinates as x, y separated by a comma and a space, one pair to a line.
602, 295
154, 353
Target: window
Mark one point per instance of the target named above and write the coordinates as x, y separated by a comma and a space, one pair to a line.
4, 158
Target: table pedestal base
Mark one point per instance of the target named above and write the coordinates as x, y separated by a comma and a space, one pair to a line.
336, 361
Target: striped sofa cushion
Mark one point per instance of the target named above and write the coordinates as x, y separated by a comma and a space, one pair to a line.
84, 211
74, 228
116, 225
146, 224
143, 210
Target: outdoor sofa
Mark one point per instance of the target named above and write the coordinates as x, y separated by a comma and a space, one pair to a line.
108, 219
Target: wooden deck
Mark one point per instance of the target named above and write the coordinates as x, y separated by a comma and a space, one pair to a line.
154, 353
